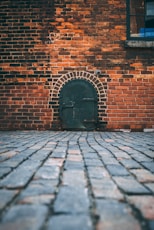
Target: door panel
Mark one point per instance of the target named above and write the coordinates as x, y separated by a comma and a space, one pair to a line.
78, 105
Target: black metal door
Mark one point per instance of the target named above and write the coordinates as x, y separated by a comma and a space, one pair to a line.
78, 106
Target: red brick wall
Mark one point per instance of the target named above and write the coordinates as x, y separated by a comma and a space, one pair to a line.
130, 104
41, 41
25, 106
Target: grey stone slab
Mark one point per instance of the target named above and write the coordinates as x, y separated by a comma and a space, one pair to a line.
69, 165
47, 172
39, 187
117, 170
60, 154
72, 200
121, 154
104, 152
4, 171
44, 199
110, 160
74, 178
97, 172
7, 155
5, 197
41, 155
17, 159
149, 165
141, 157
148, 152
150, 186
105, 188
75, 157
131, 186
12, 163
54, 162
144, 203
90, 155
25, 217
130, 163
93, 162
115, 216
143, 175
70, 222
20, 176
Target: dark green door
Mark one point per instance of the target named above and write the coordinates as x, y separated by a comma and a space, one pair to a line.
78, 106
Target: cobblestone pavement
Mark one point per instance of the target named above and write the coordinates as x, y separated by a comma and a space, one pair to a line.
76, 180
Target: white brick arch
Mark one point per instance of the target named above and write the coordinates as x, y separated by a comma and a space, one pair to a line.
99, 86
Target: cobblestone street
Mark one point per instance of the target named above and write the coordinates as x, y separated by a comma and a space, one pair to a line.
76, 180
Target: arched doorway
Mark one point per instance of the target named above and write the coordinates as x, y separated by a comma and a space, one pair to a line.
78, 105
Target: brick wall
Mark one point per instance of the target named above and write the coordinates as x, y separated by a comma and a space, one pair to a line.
44, 41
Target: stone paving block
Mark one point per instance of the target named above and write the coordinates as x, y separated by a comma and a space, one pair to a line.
117, 170
25, 217
150, 186
93, 162
149, 166
47, 172
120, 154
134, 152
130, 164
143, 175
6, 196
74, 151
140, 157
70, 222
37, 199
59, 154
148, 152
54, 161
105, 188
41, 155
110, 160
97, 172
4, 171
145, 204
90, 155
12, 163
73, 165
74, 157
39, 187
7, 155
27, 153
17, 159
20, 176
130, 186
72, 200
105, 153
115, 216
74, 178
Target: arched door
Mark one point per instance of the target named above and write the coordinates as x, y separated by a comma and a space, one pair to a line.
78, 105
